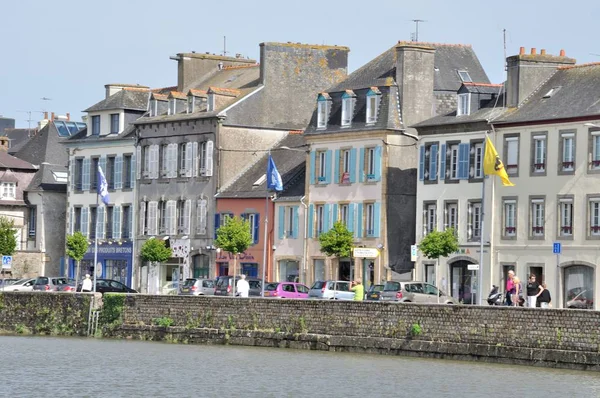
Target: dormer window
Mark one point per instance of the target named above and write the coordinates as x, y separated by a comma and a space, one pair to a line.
372, 105
153, 108
322, 111
8, 190
211, 102
347, 108
190, 104
172, 106
464, 76
464, 104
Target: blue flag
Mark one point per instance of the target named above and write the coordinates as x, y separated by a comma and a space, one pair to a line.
102, 186
273, 177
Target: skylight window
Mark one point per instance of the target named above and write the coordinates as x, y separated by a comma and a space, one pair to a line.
262, 179
60, 176
464, 76
551, 92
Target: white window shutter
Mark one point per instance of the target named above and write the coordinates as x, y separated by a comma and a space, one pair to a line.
209, 159
116, 222
142, 219
173, 160
138, 163
154, 161
118, 172
202, 208
187, 214
189, 159
85, 177
171, 221
152, 218
195, 159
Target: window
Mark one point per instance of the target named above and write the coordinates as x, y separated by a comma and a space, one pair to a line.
511, 154
183, 210
538, 147
96, 125
172, 106
464, 104
202, 157
94, 174
565, 222
78, 174
126, 224
476, 171
322, 111
117, 271
32, 221
537, 218
453, 162
114, 123
190, 104
322, 166
372, 100
201, 216
320, 219
451, 216
93, 220
345, 166
370, 163
509, 217
347, 110
77, 219
109, 214
594, 149
594, 216
211, 102
464, 76
165, 151
183, 159
370, 219
8, 190
127, 170
567, 153
110, 172
428, 162
429, 218
147, 154
344, 214
253, 220
162, 217
474, 227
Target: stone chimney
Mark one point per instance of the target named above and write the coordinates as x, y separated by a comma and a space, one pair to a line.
113, 88
526, 72
4, 143
414, 76
293, 74
193, 67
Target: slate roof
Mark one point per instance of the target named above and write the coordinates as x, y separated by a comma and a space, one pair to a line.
18, 138
482, 88
45, 146
45, 180
127, 98
448, 60
81, 136
10, 162
482, 115
577, 94
290, 164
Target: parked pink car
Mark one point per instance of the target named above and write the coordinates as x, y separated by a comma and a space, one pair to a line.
290, 290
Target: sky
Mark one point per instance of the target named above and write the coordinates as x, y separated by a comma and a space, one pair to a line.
56, 56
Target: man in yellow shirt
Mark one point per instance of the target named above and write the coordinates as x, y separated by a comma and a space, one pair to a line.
358, 289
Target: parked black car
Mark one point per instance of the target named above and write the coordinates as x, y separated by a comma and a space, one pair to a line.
110, 286
374, 292
223, 286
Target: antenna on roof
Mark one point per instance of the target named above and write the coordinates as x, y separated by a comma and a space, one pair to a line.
29, 119
415, 35
224, 46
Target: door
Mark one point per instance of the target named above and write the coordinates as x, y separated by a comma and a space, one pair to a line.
462, 282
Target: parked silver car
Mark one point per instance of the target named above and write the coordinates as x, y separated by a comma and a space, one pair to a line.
414, 292
198, 287
338, 290
22, 285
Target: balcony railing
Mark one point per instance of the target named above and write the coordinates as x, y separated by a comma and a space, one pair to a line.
539, 166
566, 230
568, 165
510, 230
537, 230
595, 229
595, 164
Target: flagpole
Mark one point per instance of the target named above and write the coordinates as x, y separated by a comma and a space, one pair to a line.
265, 234
96, 235
480, 271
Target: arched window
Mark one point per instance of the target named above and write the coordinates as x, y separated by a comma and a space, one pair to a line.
579, 287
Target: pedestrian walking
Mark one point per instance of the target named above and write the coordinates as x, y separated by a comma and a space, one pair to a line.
516, 296
544, 298
510, 287
534, 289
86, 285
358, 289
242, 286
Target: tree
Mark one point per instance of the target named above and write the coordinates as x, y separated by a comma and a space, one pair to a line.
438, 244
77, 246
234, 236
155, 251
338, 241
8, 241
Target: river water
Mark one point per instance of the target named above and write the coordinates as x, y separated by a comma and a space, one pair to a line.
65, 367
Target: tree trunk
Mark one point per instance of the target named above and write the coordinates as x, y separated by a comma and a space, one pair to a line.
233, 280
77, 272
437, 277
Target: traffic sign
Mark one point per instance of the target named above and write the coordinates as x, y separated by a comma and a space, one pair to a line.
473, 267
556, 248
365, 252
413, 253
6, 262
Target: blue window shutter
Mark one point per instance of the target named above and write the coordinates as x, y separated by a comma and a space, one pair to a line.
281, 222
350, 225
256, 228
422, 163
326, 218
313, 162
102, 164
433, 161
352, 165
336, 167
311, 220
116, 222
133, 172
377, 163
217, 223
84, 221
119, 172
85, 177
296, 221
463, 161
361, 165
443, 162
334, 214
328, 155
376, 221
359, 220
100, 222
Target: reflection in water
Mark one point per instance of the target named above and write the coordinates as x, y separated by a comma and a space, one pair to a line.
38, 366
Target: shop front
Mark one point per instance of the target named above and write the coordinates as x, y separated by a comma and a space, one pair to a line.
114, 262
247, 264
463, 281
578, 285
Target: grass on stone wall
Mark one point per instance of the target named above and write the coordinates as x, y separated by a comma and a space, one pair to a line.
112, 311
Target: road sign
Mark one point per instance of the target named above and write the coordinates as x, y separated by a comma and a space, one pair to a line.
556, 248
365, 252
6, 262
413, 253
473, 267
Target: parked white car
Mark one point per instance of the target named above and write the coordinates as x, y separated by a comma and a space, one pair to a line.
22, 285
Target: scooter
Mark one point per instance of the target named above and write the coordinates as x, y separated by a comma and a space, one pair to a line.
495, 297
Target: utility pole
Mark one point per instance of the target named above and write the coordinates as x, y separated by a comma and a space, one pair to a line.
416, 34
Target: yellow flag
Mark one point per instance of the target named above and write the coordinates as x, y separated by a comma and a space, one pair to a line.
493, 165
